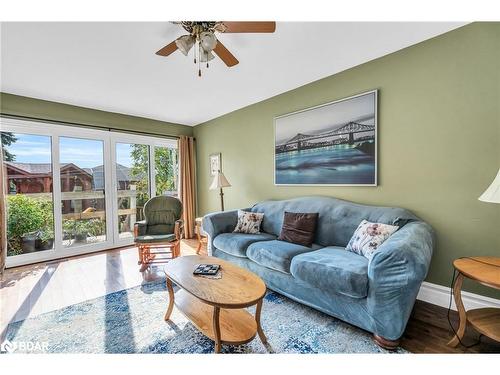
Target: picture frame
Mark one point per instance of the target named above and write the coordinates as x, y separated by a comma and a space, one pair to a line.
214, 163
332, 144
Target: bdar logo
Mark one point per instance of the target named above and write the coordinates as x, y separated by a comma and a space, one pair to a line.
7, 347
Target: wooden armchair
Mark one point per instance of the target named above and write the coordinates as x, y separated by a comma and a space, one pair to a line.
161, 229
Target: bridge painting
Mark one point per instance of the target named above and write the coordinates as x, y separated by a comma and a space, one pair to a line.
333, 144
303, 141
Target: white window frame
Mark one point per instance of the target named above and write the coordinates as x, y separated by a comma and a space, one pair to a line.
109, 139
151, 142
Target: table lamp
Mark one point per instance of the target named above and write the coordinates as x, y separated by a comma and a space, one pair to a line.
220, 181
492, 194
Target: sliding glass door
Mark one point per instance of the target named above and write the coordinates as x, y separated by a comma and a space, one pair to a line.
72, 190
166, 168
29, 198
132, 185
83, 205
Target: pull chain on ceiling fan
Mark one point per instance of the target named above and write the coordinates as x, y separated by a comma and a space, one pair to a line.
202, 35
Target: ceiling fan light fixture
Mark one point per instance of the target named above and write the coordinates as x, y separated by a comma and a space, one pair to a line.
185, 43
201, 35
208, 41
206, 56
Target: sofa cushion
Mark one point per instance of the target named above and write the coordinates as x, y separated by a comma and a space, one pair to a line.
333, 268
276, 255
236, 243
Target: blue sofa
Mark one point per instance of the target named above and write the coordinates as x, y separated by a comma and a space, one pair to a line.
376, 295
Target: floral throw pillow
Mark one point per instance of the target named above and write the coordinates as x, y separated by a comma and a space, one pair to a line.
248, 222
369, 236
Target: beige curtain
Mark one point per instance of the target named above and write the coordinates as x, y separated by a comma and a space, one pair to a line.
187, 169
3, 218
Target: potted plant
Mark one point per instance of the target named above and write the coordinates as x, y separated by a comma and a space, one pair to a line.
68, 229
28, 242
25, 217
81, 231
46, 234
96, 227
45, 239
77, 230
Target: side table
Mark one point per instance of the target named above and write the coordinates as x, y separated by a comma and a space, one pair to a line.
199, 235
486, 271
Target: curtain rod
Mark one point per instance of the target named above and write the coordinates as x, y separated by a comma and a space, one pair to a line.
8, 115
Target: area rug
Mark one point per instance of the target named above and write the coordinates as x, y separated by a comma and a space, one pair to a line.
131, 321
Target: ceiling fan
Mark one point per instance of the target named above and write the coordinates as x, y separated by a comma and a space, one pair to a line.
202, 37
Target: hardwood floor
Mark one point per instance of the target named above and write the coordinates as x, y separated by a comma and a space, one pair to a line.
35, 289
31, 290
428, 331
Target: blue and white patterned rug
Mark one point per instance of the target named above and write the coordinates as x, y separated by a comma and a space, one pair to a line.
131, 321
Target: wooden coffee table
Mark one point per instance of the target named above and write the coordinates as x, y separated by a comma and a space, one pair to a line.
216, 307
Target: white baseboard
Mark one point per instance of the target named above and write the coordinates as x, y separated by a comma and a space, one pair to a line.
440, 295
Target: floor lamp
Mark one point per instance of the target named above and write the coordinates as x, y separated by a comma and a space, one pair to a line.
492, 194
220, 181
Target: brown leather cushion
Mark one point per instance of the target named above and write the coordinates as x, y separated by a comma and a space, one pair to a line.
299, 228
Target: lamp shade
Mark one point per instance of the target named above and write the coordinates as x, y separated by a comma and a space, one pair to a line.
208, 41
185, 43
219, 181
492, 194
206, 56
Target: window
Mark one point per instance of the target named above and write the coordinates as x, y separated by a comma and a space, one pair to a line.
29, 200
73, 190
132, 182
166, 168
83, 190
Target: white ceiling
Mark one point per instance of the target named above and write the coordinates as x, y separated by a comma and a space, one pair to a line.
113, 66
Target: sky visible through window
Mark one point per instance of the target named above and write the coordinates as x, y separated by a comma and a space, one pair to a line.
123, 157
84, 153
30, 148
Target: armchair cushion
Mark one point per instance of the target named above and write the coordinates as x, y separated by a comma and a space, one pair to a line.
159, 229
161, 213
162, 210
155, 238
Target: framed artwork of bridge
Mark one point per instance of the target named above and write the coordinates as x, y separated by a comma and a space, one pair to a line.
330, 144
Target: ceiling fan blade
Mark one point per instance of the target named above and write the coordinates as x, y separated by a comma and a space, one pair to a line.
249, 27
168, 49
224, 54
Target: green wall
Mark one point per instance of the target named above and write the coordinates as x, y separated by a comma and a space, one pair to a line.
30, 107
439, 141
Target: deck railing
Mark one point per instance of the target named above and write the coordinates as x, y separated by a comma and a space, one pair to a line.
81, 195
